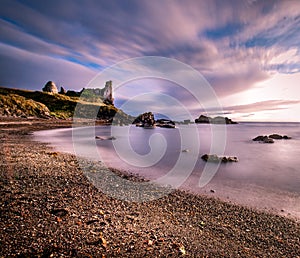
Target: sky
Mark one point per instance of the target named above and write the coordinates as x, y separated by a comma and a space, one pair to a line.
248, 51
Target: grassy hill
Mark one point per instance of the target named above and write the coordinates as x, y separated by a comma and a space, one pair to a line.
26, 103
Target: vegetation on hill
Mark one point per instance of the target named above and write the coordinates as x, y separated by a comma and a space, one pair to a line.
15, 105
26, 103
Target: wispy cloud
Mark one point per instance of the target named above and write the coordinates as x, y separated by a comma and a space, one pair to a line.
234, 44
261, 106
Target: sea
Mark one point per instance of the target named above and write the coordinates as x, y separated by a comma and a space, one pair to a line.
266, 176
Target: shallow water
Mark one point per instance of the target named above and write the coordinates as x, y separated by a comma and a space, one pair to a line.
267, 176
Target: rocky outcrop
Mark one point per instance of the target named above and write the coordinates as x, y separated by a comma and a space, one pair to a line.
202, 120
279, 137
26, 103
145, 120
270, 138
213, 120
216, 158
165, 123
104, 95
50, 87
12, 105
263, 138
62, 91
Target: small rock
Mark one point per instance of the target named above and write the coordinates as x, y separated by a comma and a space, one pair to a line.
216, 158
260, 138
59, 212
275, 136
268, 140
105, 138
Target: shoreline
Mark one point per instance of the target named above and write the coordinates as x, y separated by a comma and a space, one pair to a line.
263, 198
49, 207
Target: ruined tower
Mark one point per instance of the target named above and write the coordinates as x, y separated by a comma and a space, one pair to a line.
107, 93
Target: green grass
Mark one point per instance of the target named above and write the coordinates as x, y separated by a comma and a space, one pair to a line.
59, 106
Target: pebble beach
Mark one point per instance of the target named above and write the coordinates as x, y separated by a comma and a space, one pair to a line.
50, 209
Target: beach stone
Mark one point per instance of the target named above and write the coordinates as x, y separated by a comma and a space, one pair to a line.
59, 212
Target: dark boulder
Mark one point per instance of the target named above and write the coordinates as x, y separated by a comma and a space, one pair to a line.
263, 138
216, 158
213, 120
145, 120
279, 137
270, 138
202, 120
260, 138
165, 123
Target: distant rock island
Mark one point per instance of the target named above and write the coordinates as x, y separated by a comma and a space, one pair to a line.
213, 120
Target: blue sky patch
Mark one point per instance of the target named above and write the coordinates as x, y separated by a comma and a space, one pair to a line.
228, 30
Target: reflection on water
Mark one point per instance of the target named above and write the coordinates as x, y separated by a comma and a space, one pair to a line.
265, 175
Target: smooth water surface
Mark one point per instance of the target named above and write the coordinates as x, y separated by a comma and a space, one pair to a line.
267, 176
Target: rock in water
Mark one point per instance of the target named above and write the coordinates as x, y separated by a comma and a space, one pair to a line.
263, 138
216, 158
50, 87
259, 138
165, 123
279, 137
145, 120
285, 137
214, 120
270, 138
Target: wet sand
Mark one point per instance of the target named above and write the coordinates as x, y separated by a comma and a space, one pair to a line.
50, 209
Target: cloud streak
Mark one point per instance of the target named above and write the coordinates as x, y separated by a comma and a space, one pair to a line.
234, 44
